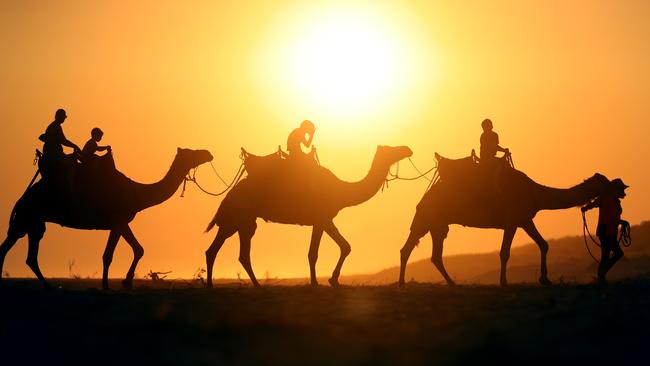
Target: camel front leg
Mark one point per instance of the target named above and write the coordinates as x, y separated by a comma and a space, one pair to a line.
531, 230
343, 244
107, 258
508, 235
316, 235
138, 252
405, 253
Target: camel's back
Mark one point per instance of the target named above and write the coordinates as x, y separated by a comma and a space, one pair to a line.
281, 191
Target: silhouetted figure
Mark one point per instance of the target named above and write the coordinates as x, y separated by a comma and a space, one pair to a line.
609, 219
90, 148
110, 203
302, 135
464, 196
275, 191
490, 143
55, 162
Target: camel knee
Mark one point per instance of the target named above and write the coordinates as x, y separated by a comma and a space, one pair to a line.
313, 257
346, 249
138, 252
244, 260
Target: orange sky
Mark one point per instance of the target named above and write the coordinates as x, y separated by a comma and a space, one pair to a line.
566, 85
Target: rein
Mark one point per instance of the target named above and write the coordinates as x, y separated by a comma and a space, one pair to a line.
391, 177
625, 238
191, 177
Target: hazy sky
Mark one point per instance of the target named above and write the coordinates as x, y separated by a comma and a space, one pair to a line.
565, 83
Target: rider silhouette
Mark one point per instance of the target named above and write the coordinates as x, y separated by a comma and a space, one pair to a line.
54, 159
489, 142
297, 138
88, 152
609, 219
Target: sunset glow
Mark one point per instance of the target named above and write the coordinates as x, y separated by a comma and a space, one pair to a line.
554, 78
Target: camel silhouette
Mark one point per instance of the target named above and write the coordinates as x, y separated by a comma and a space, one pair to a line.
294, 193
473, 195
99, 201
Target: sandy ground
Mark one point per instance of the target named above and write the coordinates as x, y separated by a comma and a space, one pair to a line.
300, 325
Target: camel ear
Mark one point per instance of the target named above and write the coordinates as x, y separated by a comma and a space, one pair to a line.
178, 149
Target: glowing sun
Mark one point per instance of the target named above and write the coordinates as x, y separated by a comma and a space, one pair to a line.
345, 63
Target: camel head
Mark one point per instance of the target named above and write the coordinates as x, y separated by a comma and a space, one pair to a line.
597, 183
392, 154
188, 158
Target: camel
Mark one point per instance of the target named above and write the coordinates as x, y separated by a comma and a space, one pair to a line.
109, 201
295, 193
483, 196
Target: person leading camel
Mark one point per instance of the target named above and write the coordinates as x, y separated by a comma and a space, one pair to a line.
300, 136
54, 159
609, 219
490, 142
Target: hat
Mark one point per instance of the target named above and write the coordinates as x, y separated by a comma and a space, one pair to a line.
618, 183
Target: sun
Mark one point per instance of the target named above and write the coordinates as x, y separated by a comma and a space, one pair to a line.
345, 62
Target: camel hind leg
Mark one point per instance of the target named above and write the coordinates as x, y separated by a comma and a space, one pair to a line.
35, 235
6, 246
107, 258
316, 235
411, 242
211, 254
437, 240
245, 235
508, 235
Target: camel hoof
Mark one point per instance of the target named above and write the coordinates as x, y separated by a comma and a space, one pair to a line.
334, 282
127, 284
314, 283
451, 283
208, 285
545, 281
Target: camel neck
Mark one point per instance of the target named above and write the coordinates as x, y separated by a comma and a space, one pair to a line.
358, 192
561, 198
157, 193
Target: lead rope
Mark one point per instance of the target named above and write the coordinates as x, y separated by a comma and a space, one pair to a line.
585, 231
191, 177
625, 238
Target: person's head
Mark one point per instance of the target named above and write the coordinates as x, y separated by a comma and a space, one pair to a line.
308, 127
486, 124
60, 115
618, 188
96, 134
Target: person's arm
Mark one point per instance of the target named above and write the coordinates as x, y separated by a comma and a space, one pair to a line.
104, 148
307, 142
71, 144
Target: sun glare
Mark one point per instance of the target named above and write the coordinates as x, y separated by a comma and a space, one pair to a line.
345, 63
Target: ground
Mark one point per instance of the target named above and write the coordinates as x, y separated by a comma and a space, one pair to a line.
299, 325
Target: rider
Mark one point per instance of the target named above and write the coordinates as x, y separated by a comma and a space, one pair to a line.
88, 153
609, 218
490, 142
302, 135
54, 140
